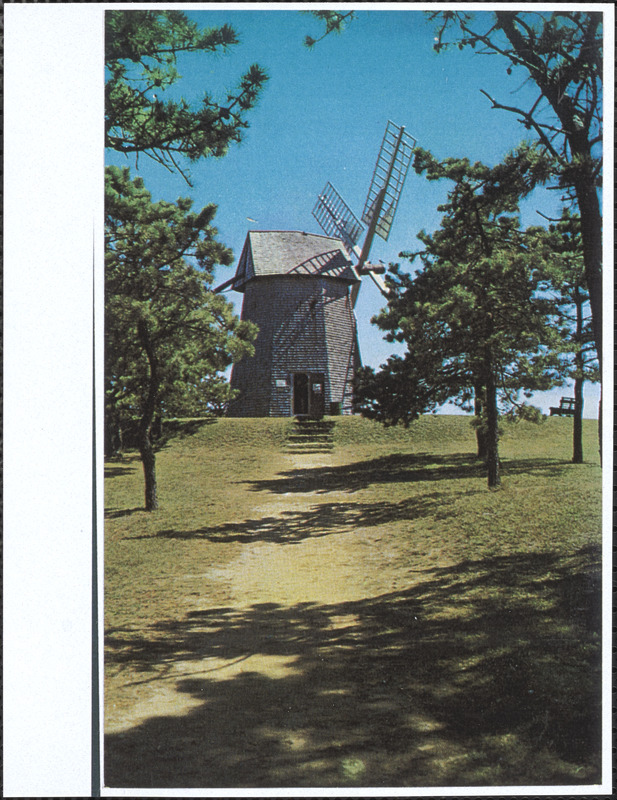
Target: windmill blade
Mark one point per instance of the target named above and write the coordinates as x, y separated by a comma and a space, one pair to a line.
336, 218
388, 178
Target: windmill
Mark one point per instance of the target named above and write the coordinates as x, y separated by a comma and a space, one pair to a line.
301, 288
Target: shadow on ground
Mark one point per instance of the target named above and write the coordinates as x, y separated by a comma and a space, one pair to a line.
349, 478
396, 468
119, 465
324, 519
114, 513
483, 674
174, 429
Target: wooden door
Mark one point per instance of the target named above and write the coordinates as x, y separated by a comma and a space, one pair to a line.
301, 393
308, 394
317, 404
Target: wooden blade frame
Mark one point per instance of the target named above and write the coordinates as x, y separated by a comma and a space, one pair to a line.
388, 178
337, 219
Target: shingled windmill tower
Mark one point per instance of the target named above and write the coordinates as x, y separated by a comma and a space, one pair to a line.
301, 288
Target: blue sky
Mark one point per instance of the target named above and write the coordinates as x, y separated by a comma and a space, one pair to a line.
321, 118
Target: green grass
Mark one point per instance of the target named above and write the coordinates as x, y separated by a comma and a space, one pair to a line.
201, 479
488, 642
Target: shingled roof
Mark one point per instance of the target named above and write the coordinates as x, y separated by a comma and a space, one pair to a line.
292, 253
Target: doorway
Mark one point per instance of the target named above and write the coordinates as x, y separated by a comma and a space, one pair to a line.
308, 394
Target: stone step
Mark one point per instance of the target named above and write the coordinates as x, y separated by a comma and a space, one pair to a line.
310, 436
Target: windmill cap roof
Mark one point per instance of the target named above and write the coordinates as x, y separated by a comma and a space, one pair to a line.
293, 253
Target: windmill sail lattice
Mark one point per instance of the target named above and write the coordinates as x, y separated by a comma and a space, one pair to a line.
337, 219
389, 175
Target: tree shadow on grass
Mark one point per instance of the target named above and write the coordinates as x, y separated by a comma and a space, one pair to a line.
124, 512
116, 466
174, 429
115, 472
395, 468
324, 519
484, 674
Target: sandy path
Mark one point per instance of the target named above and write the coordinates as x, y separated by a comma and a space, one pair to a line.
258, 683
346, 565
319, 569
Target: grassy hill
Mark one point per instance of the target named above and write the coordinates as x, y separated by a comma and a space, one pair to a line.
209, 472
482, 608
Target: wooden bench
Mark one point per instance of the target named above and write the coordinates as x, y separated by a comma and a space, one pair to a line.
566, 408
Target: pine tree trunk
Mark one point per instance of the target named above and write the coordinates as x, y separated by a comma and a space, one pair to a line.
480, 429
600, 425
112, 435
577, 426
148, 461
146, 450
492, 422
591, 234
108, 437
157, 425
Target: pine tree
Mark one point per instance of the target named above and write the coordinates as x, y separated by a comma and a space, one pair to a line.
475, 318
168, 336
561, 53
565, 269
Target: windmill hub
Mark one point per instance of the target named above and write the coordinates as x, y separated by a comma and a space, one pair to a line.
379, 269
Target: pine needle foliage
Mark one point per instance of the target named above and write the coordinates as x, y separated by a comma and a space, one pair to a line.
561, 53
333, 21
141, 52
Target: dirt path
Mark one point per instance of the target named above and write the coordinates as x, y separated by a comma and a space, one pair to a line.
273, 616
322, 569
313, 571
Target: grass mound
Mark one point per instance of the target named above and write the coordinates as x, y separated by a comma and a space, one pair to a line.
468, 653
